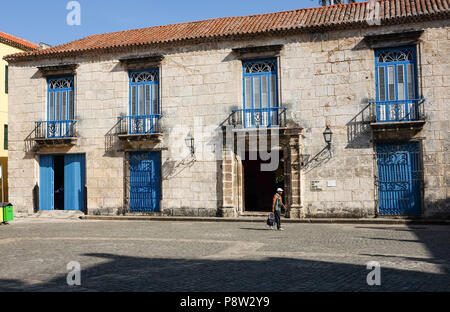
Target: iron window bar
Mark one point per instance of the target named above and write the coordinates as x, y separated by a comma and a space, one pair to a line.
56, 129
133, 125
399, 110
259, 117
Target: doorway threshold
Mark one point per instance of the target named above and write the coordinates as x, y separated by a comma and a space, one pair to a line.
59, 214
254, 213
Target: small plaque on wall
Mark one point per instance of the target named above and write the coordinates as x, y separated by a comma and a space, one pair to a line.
316, 186
332, 183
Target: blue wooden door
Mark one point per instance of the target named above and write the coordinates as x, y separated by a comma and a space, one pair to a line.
399, 179
145, 182
46, 182
74, 181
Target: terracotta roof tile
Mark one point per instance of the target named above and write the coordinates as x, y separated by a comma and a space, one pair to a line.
17, 42
328, 17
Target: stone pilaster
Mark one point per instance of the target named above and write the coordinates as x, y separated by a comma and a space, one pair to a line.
294, 174
228, 209
295, 178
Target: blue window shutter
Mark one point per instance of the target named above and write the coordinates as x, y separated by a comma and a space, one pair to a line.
61, 90
399, 181
74, 182
145, 181
5, 137
156, 180
47, 188
6, 78
260, 83
396, 84
144, 107
60, 106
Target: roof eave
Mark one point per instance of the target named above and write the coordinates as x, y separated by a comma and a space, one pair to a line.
16, 58
17, 44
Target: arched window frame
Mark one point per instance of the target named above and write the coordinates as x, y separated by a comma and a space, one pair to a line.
396, 99
256, 108
64, 88
134, 108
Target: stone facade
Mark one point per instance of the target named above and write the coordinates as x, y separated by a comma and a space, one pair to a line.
325, 79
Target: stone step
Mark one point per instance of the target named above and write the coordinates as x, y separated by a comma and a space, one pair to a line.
59, 214
255, 214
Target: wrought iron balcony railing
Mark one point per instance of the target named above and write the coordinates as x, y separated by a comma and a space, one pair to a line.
259, 117
135, 125
399, 111
57, 129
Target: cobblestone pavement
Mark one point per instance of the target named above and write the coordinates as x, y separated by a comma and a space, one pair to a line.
209, 256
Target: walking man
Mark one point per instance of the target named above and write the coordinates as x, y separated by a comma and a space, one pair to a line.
276, 207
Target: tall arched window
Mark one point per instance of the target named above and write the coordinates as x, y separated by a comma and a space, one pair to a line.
260, 93
60, 99
396, 76
144, 101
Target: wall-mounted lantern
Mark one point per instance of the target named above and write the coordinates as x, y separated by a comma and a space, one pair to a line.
190, 143
328, 136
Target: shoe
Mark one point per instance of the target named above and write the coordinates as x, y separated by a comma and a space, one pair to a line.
280, 229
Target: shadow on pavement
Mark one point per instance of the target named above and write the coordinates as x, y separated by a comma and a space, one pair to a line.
122, 273
435, 238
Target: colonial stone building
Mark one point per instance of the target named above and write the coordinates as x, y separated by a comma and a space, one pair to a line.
345, 107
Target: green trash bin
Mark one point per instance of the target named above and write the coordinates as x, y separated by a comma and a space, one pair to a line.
8, 214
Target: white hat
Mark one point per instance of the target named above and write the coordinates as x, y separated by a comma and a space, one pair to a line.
280, 190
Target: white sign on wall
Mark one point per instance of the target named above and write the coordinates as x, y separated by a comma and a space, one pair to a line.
332, 183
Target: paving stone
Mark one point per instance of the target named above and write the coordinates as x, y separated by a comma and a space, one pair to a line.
224, 256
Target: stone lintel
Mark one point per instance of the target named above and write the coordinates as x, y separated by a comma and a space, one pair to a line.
393, 39
58, 69
252, 52
142, 62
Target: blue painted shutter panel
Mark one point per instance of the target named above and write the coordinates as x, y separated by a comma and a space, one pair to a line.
46, 188
399, 179
396, 81
145, 182
156, 181
144, 102
260, 93
74, 181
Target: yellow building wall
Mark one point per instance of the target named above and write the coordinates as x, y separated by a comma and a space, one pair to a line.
4, 50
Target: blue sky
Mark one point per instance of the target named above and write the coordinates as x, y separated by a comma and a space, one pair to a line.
45, 20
